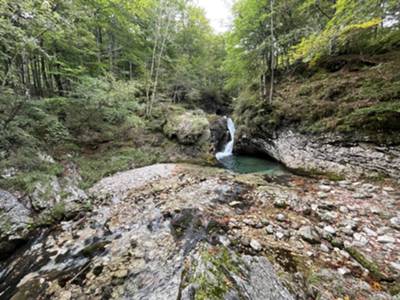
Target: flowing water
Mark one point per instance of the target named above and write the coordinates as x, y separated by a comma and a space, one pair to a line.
228, 150
245, 164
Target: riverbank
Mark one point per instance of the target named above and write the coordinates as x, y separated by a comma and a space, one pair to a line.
184, 231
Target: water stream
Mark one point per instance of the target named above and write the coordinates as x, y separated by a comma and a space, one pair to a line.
244, 164
228, 150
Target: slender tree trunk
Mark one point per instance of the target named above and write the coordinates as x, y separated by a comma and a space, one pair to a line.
271, 90
153, 58
157, 72
57, 78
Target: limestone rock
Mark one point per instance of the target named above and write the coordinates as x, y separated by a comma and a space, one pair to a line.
325, 153
14, 221
189, 128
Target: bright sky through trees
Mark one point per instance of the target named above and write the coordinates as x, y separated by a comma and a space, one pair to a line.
218, 12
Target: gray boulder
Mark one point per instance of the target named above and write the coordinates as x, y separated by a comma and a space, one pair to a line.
189, 128
14, 221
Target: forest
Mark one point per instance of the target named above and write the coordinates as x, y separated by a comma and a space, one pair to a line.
92, 88
115, 61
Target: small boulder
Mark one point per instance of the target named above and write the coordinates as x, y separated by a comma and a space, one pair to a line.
386, 239
309, 234
395, 223
280, 217
255, 245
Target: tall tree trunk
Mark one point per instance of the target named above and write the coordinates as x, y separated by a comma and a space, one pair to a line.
271, 90
46, 82
153, 58
158, 66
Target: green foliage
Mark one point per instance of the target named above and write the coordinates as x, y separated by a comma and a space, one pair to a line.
277, 35
105, 163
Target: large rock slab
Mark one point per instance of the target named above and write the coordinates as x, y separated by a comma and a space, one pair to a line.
326, 153
150, 226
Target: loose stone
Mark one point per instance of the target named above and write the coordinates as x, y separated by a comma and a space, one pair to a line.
255, 245
269, 229
395, 223
280, 217
309, 234
330, 230
386, 239
344, 271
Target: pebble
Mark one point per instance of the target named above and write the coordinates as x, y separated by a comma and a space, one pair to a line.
343, 209
330, 230
360, 240
309, 234
386, 239
344, 271
224, 240
383, 230
280, 203
249, 222
361, 196
369, 187
375, 210
325, 248
322, 195
245, 241
279, 235
325, 188
328, 216
370, 232
388, 189
395, 223
269, 229
395, 265
344, 183
121, 273
347, 230
255, 245
234, 224
351, 223
344, 254
280, 217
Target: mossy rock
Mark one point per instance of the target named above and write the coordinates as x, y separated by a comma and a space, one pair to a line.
189, 128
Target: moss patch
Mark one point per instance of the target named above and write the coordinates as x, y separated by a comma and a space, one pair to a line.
213, 281
366, 263
94, 167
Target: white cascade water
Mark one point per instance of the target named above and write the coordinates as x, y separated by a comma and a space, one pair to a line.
228, 150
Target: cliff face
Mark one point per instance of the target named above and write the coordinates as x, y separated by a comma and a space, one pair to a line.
328, 153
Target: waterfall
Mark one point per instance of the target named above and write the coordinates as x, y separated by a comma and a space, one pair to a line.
228, 150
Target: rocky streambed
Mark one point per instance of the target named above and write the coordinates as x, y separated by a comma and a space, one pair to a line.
177, 231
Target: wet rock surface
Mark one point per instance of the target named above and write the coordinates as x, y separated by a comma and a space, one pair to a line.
189, 232
326, 153
220, 135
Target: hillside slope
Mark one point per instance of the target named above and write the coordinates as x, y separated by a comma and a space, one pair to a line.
345, 101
